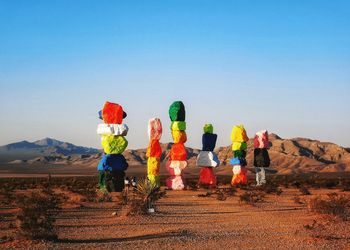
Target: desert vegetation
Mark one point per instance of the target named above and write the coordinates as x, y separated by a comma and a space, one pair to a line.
142, 201
37, 214
35, 208
334, 204
252, 197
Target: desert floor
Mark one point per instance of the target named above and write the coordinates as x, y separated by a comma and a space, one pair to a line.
185, 220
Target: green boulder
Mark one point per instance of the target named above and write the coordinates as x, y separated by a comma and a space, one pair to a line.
177, 111
208, 129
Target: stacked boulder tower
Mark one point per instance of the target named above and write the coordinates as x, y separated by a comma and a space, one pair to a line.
239, 140
154, 151
112, 131
261, 156
178, 154
207, 159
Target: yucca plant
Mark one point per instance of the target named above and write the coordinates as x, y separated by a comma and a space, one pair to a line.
146, 194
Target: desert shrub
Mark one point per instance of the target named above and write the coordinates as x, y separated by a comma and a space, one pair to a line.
252, 196
242, 186
33, 183
104, 197
79, 183
192, 185
22, 185
90, 195
207, 194
324, 183
137, 207
304, 190
229, 191
331, 183
220, 195
296, 184
125, 196
50, 193
5, 238
146, 194
46, 184
334, 204
346, 186
311, 226
285, 181
63, 187
36, 216
7, 196
297, 199
223, 180
271, 188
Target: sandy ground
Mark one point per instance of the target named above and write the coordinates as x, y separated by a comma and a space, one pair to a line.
57, 170
42, 170
186, 221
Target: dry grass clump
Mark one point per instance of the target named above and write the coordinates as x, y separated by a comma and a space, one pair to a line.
334, 204
252, 197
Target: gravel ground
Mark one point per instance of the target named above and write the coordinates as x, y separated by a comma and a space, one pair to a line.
186, 221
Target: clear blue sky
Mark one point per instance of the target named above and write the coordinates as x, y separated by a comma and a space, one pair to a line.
277, 65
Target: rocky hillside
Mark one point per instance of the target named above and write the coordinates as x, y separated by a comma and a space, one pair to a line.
287, 156
299, 155
47, 147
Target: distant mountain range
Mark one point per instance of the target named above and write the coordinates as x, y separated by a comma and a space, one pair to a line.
287, 155
25, 150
